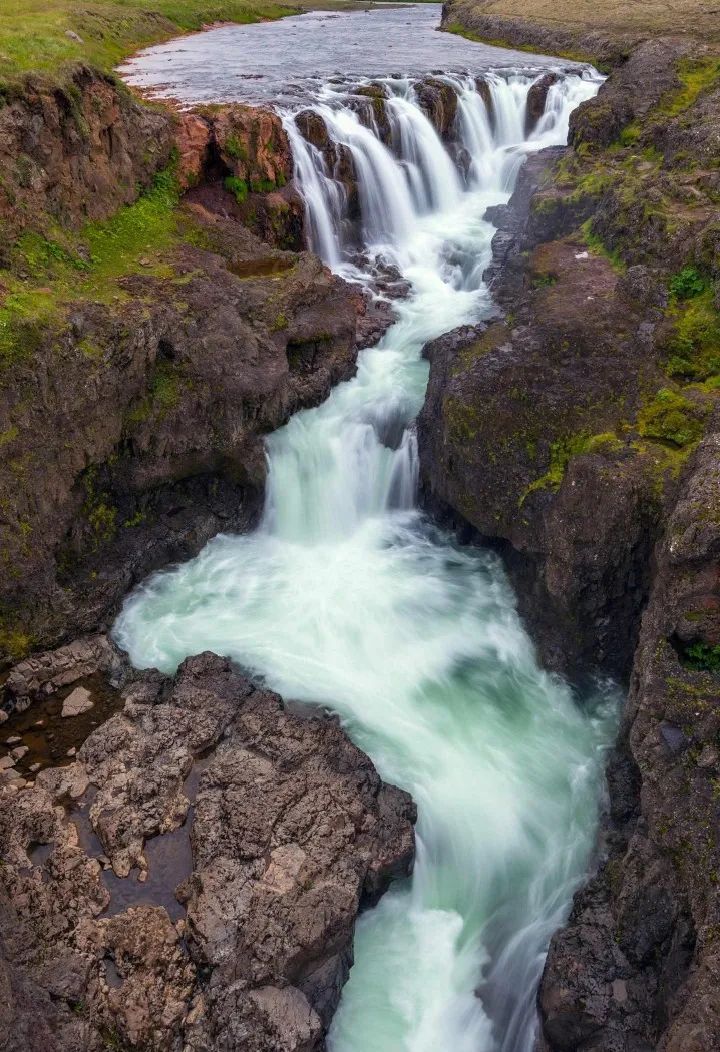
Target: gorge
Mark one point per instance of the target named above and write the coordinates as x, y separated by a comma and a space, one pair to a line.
347, 596
408, 411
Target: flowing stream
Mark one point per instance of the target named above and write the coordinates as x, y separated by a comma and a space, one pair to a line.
349, 597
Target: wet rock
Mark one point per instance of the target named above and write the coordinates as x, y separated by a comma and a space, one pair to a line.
293, 833
313, 128
45, 673
527, 386
79, 700
536, 100
637, 960
438, 101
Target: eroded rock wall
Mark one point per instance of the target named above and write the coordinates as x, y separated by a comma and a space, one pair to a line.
578, 433
138, 377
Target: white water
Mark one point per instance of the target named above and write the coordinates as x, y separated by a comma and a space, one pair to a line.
347, 596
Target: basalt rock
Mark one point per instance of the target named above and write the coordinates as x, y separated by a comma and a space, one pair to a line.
372, 110
505, 408
76, 152
139, 452
253, 145
438, 101
537, 99
292, 832
638, 964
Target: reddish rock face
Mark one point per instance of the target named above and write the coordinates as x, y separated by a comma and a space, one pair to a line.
76, 153
192, 137
253, 145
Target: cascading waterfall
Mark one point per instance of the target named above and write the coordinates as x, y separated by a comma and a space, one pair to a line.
347, 596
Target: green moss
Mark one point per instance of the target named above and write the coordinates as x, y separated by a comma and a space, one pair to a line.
541, 281
102, 520
671, 417
695, 76
15, 642
561, 453
8, 435
238, 187
165, 389
597, 246
462, 419
694, 344
234, 148
135, 520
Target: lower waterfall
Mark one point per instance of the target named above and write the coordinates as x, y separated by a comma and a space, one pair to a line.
347, 596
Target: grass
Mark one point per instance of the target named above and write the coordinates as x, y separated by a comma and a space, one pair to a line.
695, 76
610, 17
50, 271
34, 34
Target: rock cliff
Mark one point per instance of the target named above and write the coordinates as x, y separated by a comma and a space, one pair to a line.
577, 432
148, 340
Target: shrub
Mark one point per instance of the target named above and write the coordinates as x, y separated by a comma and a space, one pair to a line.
688, 283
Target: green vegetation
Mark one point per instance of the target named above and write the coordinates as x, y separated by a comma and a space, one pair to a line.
573, 55
238, 187
704, 657
42, 35
164, 393
14, 641
50, 36
688, 283
694, 345
598, 247
561, 453
695, 76
671, 417
48, 272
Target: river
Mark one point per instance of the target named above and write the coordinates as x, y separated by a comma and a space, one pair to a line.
348, 596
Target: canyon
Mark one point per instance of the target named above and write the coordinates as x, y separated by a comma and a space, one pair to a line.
163, 313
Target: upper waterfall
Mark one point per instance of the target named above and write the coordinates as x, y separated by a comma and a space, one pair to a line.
370, 162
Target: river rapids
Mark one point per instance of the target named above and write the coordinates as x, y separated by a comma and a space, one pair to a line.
348, 596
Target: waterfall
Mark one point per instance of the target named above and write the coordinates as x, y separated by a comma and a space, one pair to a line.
347, 596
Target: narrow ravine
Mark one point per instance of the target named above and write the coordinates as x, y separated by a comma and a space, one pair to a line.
348, 596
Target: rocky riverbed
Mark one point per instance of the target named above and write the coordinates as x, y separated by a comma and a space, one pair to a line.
291, 833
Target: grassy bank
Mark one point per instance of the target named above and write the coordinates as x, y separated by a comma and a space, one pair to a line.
698, 18
49, 35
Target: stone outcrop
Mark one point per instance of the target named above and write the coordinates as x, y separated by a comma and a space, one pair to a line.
43, 674
507, 405
159, 406
292, 833
75, 152
638, 964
